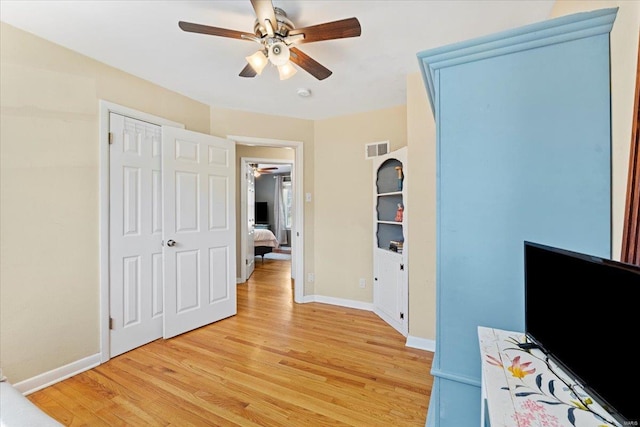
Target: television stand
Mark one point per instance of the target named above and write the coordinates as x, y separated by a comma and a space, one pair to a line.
522, 387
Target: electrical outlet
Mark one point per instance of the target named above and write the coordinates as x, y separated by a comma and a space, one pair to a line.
362, 282
311, 277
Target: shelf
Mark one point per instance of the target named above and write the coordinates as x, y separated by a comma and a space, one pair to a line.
388, 231
391, 290
387, 251
387, 177
387, 207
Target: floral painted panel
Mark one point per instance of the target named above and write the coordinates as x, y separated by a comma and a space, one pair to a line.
524, 388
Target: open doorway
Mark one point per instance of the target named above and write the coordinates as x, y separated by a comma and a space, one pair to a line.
266, 209
273, 207
251, 150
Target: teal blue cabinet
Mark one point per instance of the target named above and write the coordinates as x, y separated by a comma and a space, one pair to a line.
523, 153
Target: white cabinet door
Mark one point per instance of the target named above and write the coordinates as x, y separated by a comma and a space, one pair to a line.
388, 292
199, 230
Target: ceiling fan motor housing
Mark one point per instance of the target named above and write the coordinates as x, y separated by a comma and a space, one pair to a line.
282, 27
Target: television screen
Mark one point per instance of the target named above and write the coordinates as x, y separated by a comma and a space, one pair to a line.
262, 213
582, 311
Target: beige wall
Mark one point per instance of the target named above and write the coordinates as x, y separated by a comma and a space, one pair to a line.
421, 133
254, 152
624, 60
49, 274
344, 199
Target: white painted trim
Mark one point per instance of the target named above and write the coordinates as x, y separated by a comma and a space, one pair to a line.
421, 343
297, 178
413, 342
46, 379
239, 280
243, 213
105, 108
359, 305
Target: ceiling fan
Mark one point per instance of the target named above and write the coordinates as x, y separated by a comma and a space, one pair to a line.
276, 35
257, 171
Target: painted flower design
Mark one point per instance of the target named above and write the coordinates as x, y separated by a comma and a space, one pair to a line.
519, 370
493, 361
534, 414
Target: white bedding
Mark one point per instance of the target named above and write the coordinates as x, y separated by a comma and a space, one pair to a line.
16, 410
263, 237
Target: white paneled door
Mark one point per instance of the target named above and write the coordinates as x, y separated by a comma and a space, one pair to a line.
251, 219
199, 229
135, 233
158, 289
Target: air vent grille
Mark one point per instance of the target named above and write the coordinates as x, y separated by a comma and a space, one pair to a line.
376, 149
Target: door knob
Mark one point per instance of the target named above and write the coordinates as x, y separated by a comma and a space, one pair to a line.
171, 242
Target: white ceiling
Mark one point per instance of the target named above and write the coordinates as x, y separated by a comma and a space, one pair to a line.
369, 72
279, 168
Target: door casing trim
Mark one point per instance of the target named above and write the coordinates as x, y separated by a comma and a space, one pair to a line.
297, 177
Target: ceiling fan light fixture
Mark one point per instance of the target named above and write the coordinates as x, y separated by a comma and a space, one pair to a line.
258, 61
286, 70
279, 53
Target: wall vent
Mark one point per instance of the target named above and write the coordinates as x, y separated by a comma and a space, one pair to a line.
376, 149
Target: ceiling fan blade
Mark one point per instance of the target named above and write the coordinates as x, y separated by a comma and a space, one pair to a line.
248, 71
309, 64
214, 31
344, 28
264, 11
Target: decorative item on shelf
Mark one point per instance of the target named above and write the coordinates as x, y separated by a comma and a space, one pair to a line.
399, 213
399, 169
396, 246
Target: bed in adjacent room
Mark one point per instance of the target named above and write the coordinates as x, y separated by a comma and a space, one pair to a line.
264, 242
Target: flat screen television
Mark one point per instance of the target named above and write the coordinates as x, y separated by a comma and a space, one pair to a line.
582, 311
262, 212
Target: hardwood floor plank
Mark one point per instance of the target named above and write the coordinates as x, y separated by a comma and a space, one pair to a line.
276, 363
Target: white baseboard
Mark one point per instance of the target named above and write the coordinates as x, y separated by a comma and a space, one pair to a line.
339, 302
46, 379
413, 342
421, 343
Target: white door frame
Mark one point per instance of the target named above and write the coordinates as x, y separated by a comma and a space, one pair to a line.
297, 177
243, 215
244, 223
105, 108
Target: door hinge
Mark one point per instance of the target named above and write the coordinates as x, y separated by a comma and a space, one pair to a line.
402, 267
401, 315
246, 261
110, 137
111, 322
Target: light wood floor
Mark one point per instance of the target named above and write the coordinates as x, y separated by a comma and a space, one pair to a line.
275, 363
